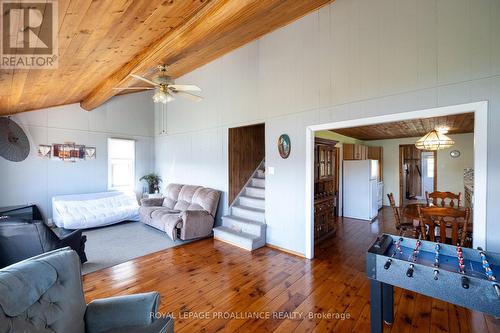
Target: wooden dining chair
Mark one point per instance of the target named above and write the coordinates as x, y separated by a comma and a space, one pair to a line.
443, 199
401, 225
444, 218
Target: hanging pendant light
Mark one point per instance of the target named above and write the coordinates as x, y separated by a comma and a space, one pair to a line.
434, 140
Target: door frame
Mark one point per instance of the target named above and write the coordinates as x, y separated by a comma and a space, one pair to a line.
480, 110
231, 177
401, 190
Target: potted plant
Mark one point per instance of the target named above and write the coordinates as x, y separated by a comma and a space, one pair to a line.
153, 181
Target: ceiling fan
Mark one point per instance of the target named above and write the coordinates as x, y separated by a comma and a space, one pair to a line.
165, 87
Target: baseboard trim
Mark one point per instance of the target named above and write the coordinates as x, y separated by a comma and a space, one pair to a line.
231, 243
298, 254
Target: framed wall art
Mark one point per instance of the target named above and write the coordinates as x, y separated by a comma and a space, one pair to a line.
284, 146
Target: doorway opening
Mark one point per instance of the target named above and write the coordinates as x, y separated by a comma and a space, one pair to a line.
417, 174
246, 151
429, 172
370, 131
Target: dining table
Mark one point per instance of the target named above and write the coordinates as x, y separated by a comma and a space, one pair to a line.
410, 212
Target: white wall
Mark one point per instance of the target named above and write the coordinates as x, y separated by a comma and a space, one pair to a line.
450, 172
351, 59
37, 180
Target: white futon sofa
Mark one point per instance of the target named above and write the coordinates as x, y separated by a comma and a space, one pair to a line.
82, 211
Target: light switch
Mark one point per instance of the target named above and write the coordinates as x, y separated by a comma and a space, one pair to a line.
270, 170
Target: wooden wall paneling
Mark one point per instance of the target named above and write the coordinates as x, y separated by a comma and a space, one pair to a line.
246, 147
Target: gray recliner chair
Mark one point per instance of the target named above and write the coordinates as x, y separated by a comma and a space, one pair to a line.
44, 294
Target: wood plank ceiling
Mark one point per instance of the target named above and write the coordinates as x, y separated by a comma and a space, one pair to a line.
102, 42
461, 123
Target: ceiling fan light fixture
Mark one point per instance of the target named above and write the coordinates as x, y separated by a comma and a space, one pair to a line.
160, 97
434, 140
165, 87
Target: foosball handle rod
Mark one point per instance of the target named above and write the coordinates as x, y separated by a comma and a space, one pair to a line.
436, 274
465, 282
497, 289
388, 264
409, 272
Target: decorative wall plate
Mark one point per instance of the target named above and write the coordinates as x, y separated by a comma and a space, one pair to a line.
284, 146
455, 153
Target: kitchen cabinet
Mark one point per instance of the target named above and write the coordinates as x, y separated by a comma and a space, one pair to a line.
354, 151
377, 153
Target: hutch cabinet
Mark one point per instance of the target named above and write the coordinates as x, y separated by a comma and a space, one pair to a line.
326, 166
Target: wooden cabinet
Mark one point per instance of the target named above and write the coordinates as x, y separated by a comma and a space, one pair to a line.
355, 152
363, 152
326, 168
377, 153
325, 161
324, 218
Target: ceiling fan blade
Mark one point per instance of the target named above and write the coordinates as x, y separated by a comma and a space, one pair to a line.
184, 87
133, 88
188, 95
144, 79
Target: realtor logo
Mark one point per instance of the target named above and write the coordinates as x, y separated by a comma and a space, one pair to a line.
28, 32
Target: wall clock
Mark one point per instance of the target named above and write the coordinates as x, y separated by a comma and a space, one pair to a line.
455, 153
284, 145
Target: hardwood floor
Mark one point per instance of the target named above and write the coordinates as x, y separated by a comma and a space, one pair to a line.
209, 286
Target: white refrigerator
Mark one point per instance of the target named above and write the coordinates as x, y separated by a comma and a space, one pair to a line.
360, 189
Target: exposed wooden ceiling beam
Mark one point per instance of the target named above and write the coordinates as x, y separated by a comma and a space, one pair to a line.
219, 27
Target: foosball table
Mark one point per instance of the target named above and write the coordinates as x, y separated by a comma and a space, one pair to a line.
461, 276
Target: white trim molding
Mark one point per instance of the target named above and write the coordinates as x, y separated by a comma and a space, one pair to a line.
480, 110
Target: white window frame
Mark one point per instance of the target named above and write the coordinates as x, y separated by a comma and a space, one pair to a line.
130, 187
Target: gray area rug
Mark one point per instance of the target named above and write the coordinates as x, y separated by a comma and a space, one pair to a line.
115, 244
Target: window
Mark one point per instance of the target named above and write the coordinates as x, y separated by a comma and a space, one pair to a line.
121, 164
430, 166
